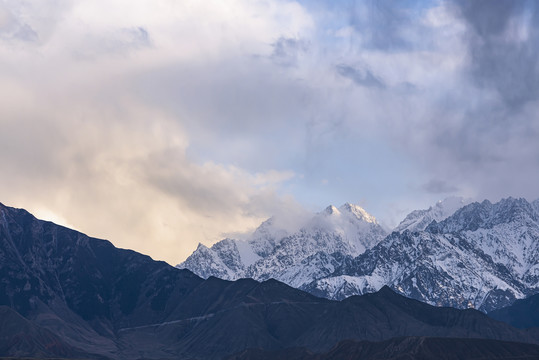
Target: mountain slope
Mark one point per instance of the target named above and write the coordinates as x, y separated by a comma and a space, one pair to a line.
119, 304
83, 289
243, 316
272, 252
20, 337
418, 220
483, 256
522, 313
406, 348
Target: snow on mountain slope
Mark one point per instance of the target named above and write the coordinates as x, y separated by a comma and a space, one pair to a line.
418, 220
483, 256
535, 205
222, 260
271, 252
508, 232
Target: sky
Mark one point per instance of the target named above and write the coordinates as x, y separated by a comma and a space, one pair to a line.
161, 124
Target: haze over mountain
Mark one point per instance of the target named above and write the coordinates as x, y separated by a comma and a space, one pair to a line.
92, 300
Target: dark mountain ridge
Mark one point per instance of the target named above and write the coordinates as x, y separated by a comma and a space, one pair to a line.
101, 301
522, 313
409, 348
20, 337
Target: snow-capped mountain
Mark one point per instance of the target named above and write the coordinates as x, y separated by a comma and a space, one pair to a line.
297, 258
483, 256
418, 220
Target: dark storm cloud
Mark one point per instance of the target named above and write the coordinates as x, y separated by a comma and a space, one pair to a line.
475, 128
484, 138
503, 45
361, 76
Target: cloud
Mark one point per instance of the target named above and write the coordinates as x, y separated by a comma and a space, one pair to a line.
113, 42
439, 187
362, 77
12, 28
287, 50
129, 182
381, 24
458, 102
468, 117
502, 48
81, 144
161, 125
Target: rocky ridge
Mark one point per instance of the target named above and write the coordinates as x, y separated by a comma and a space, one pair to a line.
456, 253
64, 294
483, 256
297, 258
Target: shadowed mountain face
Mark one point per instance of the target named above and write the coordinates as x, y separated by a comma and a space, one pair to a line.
522, 314
20, 337
101, 301
83, 288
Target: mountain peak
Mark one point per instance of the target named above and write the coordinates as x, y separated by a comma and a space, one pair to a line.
330, 210
487, 215
296, 257
358, 212
453, 202
201, 246
418, 220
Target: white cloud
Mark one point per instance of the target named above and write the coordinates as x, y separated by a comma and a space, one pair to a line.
80, 147
158, 124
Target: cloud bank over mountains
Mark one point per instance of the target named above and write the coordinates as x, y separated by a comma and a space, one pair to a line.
163, 124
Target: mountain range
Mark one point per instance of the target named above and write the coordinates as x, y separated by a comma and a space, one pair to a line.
456, 253
271, 252
66, 295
